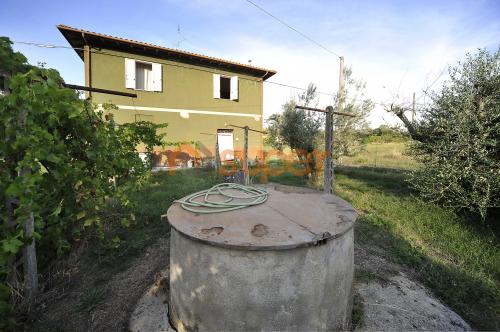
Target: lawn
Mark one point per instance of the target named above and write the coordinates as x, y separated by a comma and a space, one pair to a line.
382, 154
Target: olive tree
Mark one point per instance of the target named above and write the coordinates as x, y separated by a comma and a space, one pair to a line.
457, 138
347, 131
297, 129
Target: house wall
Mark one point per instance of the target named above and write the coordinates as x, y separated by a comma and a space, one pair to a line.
186, 87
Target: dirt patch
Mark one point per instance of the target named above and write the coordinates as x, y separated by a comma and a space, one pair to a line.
151, 311
89, 300
405, 305
387, 299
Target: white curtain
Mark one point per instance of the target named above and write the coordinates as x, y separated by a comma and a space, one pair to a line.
144, 76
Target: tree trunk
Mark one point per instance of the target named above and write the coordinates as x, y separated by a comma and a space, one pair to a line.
412, 130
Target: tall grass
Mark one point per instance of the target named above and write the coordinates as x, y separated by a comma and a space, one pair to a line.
382, 154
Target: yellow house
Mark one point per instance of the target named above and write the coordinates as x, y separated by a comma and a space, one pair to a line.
198, 96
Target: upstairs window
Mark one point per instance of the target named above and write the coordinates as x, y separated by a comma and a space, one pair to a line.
225, 87
141, 75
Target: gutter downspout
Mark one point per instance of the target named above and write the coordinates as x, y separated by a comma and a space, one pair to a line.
88, 66
262, 114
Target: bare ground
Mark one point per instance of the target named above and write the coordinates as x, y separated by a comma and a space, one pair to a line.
121, 292
136, 298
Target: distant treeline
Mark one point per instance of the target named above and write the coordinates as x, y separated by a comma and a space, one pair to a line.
384, 134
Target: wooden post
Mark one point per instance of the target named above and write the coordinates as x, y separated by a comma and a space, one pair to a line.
217, 155
245, 156
327, 172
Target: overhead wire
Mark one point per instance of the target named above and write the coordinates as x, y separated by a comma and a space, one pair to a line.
292, 28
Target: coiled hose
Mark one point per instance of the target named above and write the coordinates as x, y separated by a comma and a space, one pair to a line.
230, 201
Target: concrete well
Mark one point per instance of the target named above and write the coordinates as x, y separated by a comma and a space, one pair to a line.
286, 264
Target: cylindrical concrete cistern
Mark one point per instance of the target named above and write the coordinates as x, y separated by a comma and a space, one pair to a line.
286, 264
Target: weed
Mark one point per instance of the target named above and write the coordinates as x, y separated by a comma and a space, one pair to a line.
357, 318
91, 299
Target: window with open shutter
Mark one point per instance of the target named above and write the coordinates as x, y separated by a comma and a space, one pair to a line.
216, 86
234, 88
157, 77
225, 87
142, 75
130, 73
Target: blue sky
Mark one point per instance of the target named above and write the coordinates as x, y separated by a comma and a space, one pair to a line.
397, 47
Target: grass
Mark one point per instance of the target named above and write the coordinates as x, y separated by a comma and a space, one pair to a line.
457, 262
148, 204
386, 154
357, 317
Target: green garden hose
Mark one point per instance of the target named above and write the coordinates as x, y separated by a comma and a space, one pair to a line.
230, 201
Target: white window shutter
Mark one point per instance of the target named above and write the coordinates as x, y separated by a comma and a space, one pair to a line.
216, 86
157, 77
234, 88
130, 73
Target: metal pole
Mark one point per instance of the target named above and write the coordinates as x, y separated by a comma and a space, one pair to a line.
413, 109
245, 157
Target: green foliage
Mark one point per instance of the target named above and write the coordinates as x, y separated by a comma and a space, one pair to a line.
142, 133
10, 61
148, 202
296, 128
347, 140
61, 159
460, 149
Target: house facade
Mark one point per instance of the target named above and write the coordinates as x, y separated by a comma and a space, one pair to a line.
198, 96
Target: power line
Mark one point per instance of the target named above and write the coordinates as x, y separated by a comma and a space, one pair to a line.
424, 92
292, 28
298, 88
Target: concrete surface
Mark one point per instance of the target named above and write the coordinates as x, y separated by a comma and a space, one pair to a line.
219, 289
404, 305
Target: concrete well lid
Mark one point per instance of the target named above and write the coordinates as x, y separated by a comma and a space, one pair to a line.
291, 217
